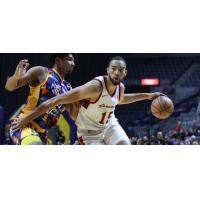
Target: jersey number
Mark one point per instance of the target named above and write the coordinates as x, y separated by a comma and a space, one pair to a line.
105, 117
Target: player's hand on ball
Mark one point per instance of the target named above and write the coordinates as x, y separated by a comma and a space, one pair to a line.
154, 95
18, 124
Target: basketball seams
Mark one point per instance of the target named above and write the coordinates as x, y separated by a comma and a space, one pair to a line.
157, 110
168, 112
169, 106
162, 107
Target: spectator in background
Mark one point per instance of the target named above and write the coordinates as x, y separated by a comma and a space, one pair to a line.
195, 142
134, 140
174, 141
140, 141
177, 131
159, 137
178, 127
182, 134
187, 141
153, 140
146, 140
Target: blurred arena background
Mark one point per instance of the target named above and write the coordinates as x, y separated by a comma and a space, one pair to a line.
177, 75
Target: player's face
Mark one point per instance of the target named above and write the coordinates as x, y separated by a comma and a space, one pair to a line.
66, 64
116, 71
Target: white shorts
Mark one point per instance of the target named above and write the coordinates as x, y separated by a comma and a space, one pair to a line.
111, 135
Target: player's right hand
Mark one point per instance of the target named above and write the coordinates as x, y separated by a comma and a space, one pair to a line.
18, 124
152, 96
21, 68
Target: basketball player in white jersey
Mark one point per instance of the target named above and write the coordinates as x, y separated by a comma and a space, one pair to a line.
98, 98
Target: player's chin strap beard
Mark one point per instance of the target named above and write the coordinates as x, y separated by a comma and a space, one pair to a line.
113, 81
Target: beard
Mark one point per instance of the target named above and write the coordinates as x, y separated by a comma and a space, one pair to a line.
114, 82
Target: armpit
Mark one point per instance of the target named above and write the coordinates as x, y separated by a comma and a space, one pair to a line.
73, 109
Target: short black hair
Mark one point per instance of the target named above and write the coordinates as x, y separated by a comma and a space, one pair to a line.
53, 56
117, 58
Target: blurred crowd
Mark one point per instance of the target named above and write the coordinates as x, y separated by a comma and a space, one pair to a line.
178, 135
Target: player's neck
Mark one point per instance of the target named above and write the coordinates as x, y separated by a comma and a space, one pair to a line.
60, 73
110, 86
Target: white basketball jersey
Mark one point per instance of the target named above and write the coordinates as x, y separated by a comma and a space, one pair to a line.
98, 115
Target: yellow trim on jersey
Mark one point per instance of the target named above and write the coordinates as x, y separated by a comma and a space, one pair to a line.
57, 74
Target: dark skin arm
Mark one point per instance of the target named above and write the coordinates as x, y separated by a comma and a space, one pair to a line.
22, 77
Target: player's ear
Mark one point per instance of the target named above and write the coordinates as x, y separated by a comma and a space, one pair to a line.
107, 69
57, 61
125, 73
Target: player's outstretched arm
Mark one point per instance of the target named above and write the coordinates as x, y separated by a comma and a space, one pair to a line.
22, 77
87, 91
131, 98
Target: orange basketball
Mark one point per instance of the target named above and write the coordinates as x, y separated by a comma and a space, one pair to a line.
162, 107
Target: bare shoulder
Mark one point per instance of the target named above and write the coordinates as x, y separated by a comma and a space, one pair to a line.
95, 85
122, 87
38, 74
91, 90
39, 70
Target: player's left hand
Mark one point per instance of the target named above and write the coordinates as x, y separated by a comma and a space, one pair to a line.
18, 124
154, 95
